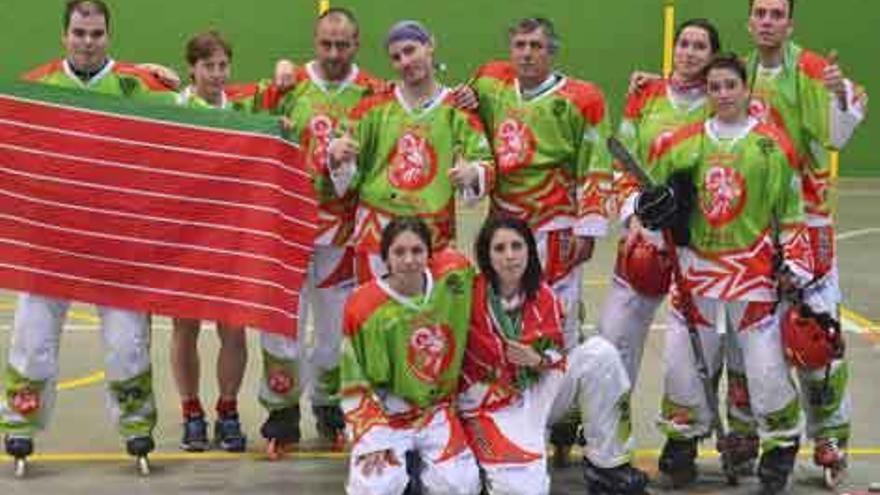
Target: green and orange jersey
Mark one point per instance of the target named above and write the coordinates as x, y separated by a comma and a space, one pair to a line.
794, 97
651, 115
402, 355
236, 97
404, 161
747, 185
315, 108
115, 78
553, 167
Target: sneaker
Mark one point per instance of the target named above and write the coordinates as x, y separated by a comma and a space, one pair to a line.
228, 435
195, 435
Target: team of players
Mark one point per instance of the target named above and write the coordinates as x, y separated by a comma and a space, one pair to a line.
379, 151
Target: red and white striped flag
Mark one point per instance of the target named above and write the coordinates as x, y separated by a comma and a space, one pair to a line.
163, 210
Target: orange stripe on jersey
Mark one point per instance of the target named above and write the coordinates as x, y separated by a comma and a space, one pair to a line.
371, 102
42, 71
587, 97
360, 306
151, 81
498, 69
373, 83
238, 92
782, 140
663, 144
447, 260
812, 64
472, 117
636, 102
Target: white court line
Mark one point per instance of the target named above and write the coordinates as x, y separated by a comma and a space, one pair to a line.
857, 233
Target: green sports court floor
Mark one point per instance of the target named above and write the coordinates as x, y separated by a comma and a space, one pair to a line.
81, 452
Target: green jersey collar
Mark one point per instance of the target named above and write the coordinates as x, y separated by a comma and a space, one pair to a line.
409, 302
95, 79
431, 103
553, 82
189, 97
331, 87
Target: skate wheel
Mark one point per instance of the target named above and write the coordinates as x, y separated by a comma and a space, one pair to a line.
143, 465
20, 468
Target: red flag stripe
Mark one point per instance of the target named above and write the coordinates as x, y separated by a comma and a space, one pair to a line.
154, 216
175, 159
95, 213
209, 288
178, 303
213, 276
174, 136
161, 249
90, 184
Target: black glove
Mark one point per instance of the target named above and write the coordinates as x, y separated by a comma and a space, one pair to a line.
685, 194
669, 206
656, 207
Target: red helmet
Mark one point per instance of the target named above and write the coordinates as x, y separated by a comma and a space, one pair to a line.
646, 267
810, 340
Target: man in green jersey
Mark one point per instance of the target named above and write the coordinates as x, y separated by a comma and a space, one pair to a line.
408, 150
315, 99
32, 368
808, 96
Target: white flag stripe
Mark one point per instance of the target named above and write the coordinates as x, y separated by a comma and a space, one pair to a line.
159, 171
151, 194
151, 218
167, 292
152, 121
154, 266
151, 242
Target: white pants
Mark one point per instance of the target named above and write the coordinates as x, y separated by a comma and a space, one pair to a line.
509, 441
832, 417
771, 394
322, 297
325, 295
625, 320
33, 364
555, 252
442, 473
597, 380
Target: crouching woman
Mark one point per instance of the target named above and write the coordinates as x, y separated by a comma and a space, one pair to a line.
404, 338
517, 380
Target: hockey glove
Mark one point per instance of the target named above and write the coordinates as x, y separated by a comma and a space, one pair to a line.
656, 206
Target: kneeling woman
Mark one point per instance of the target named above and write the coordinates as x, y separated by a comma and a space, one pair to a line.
404, 338
516, 379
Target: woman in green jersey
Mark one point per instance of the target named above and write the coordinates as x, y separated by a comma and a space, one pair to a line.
404, 339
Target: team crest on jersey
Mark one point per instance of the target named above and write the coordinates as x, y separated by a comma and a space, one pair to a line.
514, 145
430, 351
321, 131
725, 195
413, 163
759, 109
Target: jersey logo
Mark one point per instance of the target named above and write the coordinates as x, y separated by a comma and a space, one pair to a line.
725, 195
430, 352
413, 163
759, 109
321, 131
514, 145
